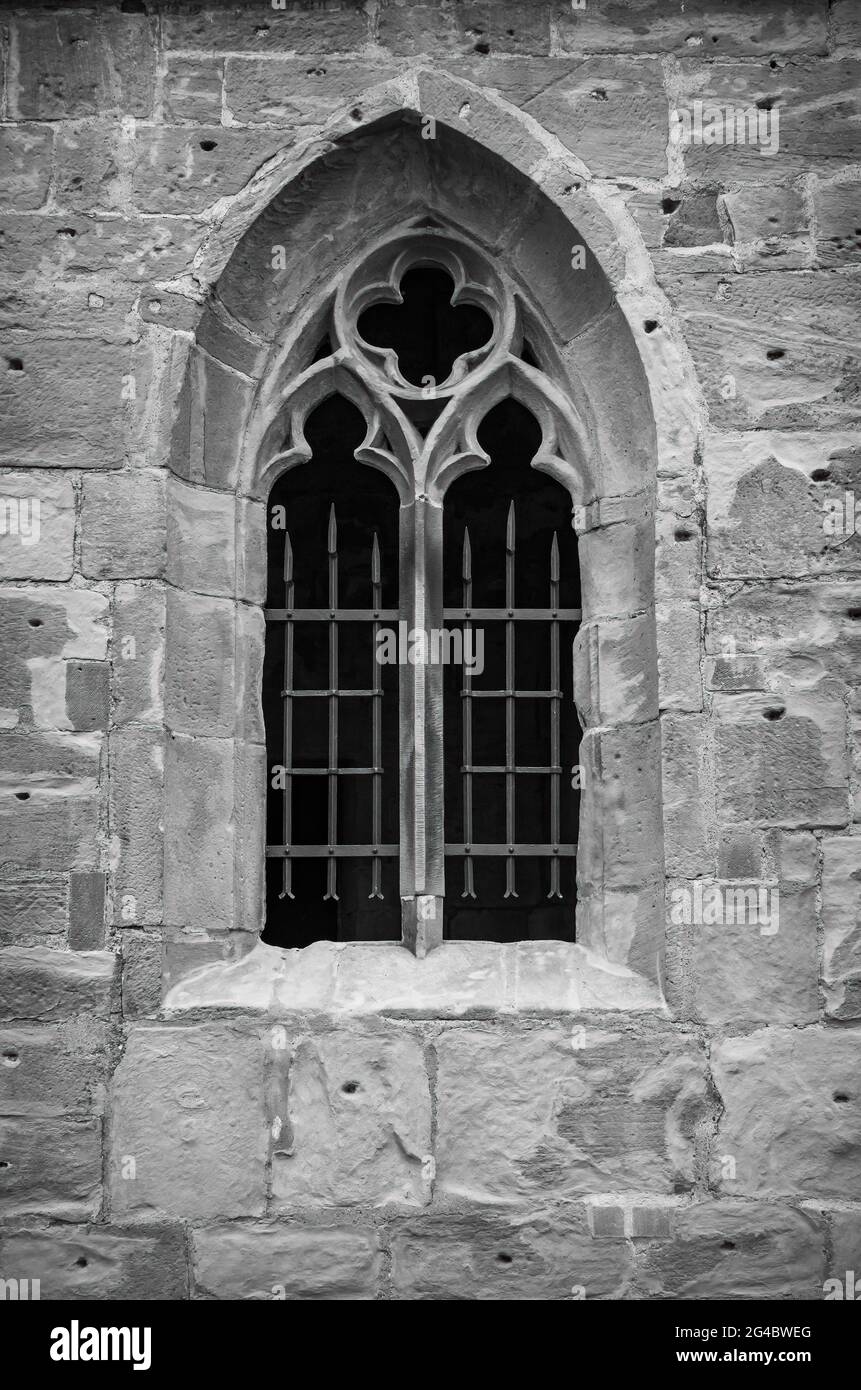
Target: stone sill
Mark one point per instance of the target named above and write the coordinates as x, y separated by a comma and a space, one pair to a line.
457, 980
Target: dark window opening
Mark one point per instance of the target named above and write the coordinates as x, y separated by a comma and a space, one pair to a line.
323, 520
521, 554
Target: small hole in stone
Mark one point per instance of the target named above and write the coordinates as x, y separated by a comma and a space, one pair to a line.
81, 1262
728, 1245
481, 48
35, 622
350, 1088
683, 534
775, 713
773, 64
650, 325
599, 93
10, 1057
775, 354
715, 38
22, 796
821, 475
504, 1259
356, 113
765, 103
261, 31
840, 1097
315, 72
853, 613
66, 231
15, 364
510, 33
670, 205
208, 145
4, 1164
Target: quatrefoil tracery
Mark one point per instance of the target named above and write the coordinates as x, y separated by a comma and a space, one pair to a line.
370, 377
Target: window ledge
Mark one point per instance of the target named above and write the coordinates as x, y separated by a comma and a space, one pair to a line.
457, 980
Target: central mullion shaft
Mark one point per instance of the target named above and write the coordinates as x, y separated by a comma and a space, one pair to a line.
468, 873
287, 748
376, 726
555, 702
510, 686
332, 866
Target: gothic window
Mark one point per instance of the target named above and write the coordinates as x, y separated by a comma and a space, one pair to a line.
423, 596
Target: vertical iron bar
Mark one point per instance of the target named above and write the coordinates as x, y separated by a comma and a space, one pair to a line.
376, 724
466, 573
510, 779
332, 867
555, 754
287, 750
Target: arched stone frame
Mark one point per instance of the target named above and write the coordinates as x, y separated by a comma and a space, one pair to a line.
621, 914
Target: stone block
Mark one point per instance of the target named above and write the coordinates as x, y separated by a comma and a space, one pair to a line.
841, 919
201, 549
185, 169
72, 65
199, 833
42, 832
271, 1260
87, 910
792, 1112
25, 158
478, 26
137, 824
500, 1257
38, 984
87, 695
123, 526
199, 687
37, 526
142, 954
355, 1122
33, 909
188, 1129
714, 28
99, 1263
293, 93
524, 1117
737, 1251
294, 28
138, 653
838, 237
50, 1168
191, 89
53, 1070
52, 417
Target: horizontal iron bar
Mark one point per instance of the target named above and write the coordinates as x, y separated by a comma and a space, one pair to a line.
537, 615
369, 694
534, 851
334, 771
486, 768
325, 615
334, 851
517, 694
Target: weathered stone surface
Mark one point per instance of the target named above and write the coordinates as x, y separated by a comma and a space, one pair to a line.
25, 158
201, 551
768, 503
56, 418
733, 323
688, 846
191, 89
99, 1262
137, 824
199, 687
50, 1167
714, 28
289, 92
188, 1111
792, 1111
479, 26
271, 1260
552, 1114
53, 1070
781, 759
323, 29
199, 834
141, 974
38, 983
763, 968
615, 672
355, 1115
838, 238
846, 1249
737, 1250
87, 695
184, 169
841, 918
679, 652
33, 909
87, 910
73, 65
123, 534
765, 212
138, 653
39, 627
37, 526
47, 833
504, 1258
620, 823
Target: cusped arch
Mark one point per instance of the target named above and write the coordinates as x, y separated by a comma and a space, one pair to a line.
251, 382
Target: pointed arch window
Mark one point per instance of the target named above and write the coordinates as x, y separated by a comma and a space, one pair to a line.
423, 598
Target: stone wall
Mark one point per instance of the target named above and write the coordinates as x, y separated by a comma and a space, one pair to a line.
182, 1116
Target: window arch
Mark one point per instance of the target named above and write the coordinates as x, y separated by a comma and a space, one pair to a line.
427, 341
